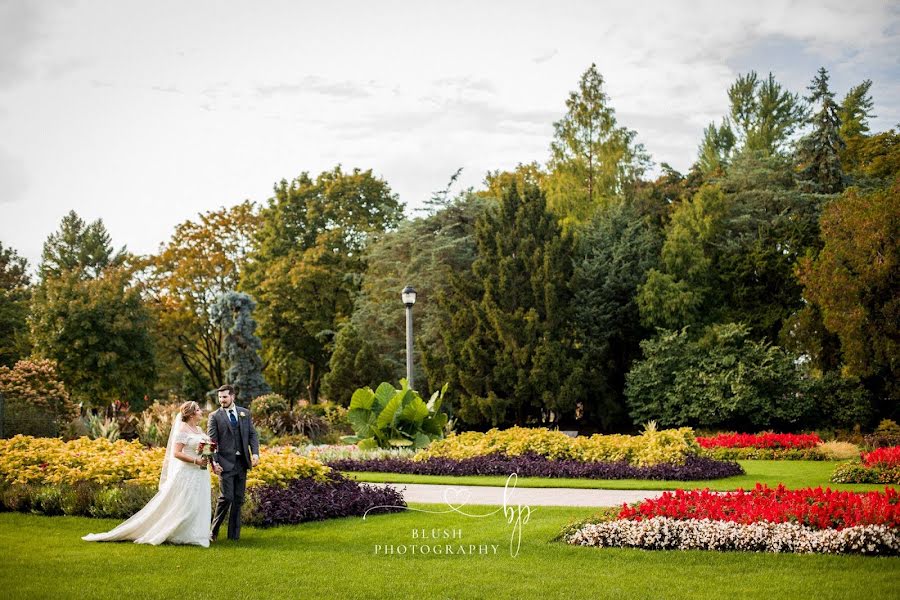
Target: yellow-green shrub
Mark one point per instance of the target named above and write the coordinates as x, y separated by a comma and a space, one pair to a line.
649, 448
51, 461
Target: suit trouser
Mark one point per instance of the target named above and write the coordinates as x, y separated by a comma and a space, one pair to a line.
232, 485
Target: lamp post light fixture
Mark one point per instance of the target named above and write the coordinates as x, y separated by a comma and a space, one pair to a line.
408, 295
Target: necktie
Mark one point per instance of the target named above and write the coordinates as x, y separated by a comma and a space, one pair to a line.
233, 418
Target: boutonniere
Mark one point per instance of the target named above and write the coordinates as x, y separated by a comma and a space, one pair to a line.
243, 414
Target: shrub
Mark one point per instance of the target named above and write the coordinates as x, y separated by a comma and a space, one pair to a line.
352, 451
886, 434
293, 441
298, 422
281, 467
322, 422
693, 468
335, 416
47, 500
36, 401
840, 402
268, 405
304, 500
120, 501
155, 423
649, 448
723, 378
50, 461
77, 499
881, 465
389, 417
765, 453
18, 497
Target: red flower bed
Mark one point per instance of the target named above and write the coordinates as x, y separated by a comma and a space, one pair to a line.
760, 440
817, 508
883, 457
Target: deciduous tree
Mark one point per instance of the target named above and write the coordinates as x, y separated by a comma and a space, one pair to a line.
202, 261
306, 267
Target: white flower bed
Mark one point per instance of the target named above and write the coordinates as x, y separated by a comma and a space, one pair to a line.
663, 533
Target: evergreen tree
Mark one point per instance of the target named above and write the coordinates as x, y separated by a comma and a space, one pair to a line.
370, 348
88, 316
853, 280
15, 294
730, 251
233, 313
856, 110
616, 250
79, 247
818, 153
716, 149
509, 340
592, 159
763, 114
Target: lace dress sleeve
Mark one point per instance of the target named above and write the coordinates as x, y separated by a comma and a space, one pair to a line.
181, 437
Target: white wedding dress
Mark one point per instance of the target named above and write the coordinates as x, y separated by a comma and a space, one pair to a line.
180, 513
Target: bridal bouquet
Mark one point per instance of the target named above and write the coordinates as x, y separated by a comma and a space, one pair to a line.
206, 450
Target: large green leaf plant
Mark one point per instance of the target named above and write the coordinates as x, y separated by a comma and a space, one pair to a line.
392, 418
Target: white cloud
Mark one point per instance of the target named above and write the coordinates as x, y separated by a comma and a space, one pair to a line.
146, 114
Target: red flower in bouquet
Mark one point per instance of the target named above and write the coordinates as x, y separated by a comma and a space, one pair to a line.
206, 449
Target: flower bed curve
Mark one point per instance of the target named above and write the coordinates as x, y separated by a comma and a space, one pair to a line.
693, 468
766, 519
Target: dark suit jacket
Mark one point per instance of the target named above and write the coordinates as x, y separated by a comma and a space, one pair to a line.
230, 439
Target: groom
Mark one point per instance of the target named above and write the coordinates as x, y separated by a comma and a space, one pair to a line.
237, 451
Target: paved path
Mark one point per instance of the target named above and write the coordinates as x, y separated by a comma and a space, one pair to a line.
477, 494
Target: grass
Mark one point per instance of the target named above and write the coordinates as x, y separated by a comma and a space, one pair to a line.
792, 473
44, 557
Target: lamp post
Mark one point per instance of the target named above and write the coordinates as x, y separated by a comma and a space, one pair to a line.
408, 295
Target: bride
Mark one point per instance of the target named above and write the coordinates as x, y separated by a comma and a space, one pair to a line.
181, 511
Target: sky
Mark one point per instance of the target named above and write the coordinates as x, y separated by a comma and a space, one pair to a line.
147, 113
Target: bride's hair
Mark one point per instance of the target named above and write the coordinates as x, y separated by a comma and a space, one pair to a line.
187, 409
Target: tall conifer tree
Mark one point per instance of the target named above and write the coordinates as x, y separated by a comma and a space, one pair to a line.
818, 153
509, 342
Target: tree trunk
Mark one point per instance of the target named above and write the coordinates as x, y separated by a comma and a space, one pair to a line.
313, 386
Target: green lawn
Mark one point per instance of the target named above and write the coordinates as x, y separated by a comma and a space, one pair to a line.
792, 473
43, 557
